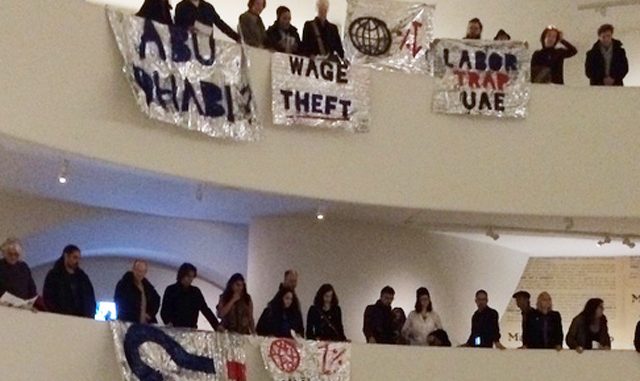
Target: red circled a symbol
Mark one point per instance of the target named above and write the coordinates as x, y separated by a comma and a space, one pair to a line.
284, 353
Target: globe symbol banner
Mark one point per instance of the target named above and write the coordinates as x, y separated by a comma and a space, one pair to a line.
370, 36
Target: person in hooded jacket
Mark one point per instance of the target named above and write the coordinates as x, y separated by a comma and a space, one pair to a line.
67, 289
282, 36
136, 299
606, 63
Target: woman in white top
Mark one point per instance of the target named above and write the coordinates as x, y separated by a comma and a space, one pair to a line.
421, 321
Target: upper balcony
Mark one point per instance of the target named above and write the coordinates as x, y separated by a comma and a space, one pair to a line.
575, 155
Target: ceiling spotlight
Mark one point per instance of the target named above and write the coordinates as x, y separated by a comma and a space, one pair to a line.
492, 234
63, 177
320, 213
605, 241
569, 223
628, 242
200, 192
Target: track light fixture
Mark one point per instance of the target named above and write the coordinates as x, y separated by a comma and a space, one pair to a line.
63, 176
628, 242
321, 213
492, 234
605, 241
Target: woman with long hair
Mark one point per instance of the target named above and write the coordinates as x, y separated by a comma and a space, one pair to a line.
324, 319
544, 325
422, 320
236, 308
589, 327
281, 316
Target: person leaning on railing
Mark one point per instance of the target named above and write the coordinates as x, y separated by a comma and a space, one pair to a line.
250, 25
15, 275
589, 327
188, 12
156, 10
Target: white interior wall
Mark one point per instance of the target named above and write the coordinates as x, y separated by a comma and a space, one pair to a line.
359, 259
105, 272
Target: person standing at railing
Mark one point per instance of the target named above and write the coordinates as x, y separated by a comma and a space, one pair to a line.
251, 27
156, 10
544, 325
282, 36
589, 330
324, 319
320, 37
182, 302
190, 12
378, 319
235, 308
282, 316
474, 29
606, 63
136, 299
421, 321
636, 339
67, 289
485, 331
547, 64
15, 275
523, 301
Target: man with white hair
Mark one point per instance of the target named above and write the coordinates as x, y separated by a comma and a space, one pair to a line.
15, 275
320, 37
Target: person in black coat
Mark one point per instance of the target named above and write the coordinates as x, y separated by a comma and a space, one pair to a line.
606, 63
182, 302
190, 11
523, 301
544, 326
15, 275
282, 36
324, 319
636, 339
378, 325
281, 316
156, 10
485, 330
547, 64
320, 37
136, 299
67, 289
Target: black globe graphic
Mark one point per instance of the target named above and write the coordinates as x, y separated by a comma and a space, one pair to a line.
370, 36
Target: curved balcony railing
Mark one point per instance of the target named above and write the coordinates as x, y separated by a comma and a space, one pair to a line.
575, 155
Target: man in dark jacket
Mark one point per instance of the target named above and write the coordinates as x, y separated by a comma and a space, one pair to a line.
485, 331
606, 63
282, 36
67, 289
15, 275
182, 302
378, 319
190, 11
136, 299
523, 301
320, 37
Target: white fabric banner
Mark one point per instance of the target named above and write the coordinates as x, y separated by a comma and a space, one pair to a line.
387, 34
319, 93
299, 360
187, 79
149, 353
477, 77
